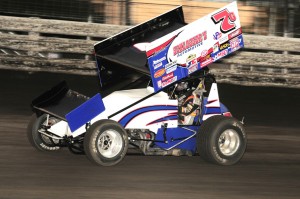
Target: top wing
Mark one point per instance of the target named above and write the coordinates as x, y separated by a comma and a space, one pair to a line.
128, 48
168, 49
194, 46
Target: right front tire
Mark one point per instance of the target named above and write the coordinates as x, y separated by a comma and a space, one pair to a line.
106, 143
221, 140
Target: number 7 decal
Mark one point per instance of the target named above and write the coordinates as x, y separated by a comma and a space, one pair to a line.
227, 20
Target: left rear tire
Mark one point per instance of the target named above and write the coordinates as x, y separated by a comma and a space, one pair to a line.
35, 133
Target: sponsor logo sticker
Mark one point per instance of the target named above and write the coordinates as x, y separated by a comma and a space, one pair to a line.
216, 48
235, 33
157, 65
192, 68
221, 54
159, 73
192, 63
168, 76
159, 60
225, 45
170, 67
182, 47
204, 58
191, 57
169, 81
234, 43
204, 53
159, 83
227, 20
217, 35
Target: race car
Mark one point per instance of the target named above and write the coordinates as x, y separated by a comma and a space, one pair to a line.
178, 113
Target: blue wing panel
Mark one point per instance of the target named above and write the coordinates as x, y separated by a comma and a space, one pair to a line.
85, 112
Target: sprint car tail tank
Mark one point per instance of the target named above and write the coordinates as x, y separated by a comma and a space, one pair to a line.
58, 101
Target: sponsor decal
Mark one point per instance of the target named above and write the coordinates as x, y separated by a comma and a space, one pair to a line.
170, 67
159, 60
168, 76
217, 35
159, 83
206, 62
178, 49
159, 73
221, 54
235, 33
204, 53
216, 48
157, 65
169, 81
227, 20
193, 68
191, 57
204, 58
192, 63
234, 43
225, 45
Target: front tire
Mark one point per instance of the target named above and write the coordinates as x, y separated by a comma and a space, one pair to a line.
221, 140
106, 143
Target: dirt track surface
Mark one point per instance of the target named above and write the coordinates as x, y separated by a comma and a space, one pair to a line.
269, 169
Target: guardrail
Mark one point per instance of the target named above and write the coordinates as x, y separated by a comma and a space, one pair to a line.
31, 44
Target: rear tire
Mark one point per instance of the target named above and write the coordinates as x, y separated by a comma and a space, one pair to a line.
106, 143
221, 140
38, 140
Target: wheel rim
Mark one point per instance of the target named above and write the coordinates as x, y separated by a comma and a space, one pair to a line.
48, 141
229, 142
109, 143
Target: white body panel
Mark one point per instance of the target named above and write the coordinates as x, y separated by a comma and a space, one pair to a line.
60, 129
121, 99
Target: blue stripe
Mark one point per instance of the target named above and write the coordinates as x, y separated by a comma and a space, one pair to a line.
127, 118
213, 111
167, 118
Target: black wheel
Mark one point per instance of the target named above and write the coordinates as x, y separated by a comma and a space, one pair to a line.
35, 134
221, 140
106, 143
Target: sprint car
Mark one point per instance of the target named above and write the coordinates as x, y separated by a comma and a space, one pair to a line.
178, 113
